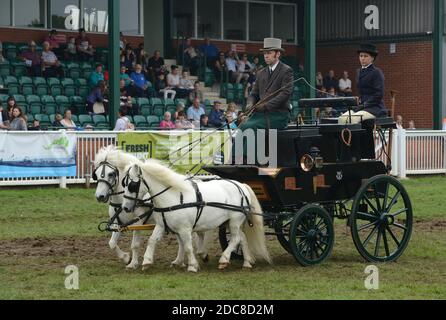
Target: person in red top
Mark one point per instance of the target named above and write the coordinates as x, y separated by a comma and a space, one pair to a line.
33, 60
167, 124
84, 47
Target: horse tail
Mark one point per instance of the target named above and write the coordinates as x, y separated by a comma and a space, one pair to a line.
255, 235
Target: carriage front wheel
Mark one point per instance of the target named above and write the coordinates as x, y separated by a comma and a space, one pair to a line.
311, 235
381, 219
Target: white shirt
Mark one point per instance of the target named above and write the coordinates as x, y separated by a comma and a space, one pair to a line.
274, 66
49, 57
231, 64
173, 81
344, 84
367, 66
122, 124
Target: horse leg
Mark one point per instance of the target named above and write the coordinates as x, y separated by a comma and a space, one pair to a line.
247, 255
136, 244
113, 243
156, 236
192, 263
232, 245
202, 249
179, 261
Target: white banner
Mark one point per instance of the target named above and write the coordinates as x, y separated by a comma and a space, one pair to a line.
27, 155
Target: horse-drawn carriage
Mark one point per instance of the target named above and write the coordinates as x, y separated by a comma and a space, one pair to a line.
326, 170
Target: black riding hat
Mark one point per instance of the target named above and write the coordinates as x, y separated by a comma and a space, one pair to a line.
368, 48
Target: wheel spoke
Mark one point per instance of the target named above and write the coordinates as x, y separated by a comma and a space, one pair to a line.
386, 195
366, 226
303, 232
399, 212
386, 245
400, 226
366, 216
393, 202
378, 242
370, 236
371, 205
319, 246
375, 193
392, 235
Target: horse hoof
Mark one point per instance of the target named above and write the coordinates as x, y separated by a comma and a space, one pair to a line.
146, 266
192, 269
223, 266
127, 259
132, 266
205, 259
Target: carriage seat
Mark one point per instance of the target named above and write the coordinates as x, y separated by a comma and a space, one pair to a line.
383, 122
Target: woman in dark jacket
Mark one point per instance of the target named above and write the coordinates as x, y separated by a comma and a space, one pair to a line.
370, 82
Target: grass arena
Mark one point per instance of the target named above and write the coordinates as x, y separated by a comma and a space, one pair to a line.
45, 230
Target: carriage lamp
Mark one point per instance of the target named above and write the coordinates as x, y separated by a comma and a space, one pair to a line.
307, 163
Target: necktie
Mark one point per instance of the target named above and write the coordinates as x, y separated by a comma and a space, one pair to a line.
270, 72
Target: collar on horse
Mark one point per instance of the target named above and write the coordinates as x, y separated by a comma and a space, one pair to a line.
104, 164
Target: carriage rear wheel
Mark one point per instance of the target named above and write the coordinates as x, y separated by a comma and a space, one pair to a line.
381, 219
224, 236
311, 235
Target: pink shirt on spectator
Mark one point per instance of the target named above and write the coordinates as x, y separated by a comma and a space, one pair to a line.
167, 125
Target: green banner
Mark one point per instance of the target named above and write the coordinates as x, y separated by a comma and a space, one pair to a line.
184, 150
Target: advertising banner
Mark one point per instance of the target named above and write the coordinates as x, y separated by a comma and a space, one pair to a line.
29, 155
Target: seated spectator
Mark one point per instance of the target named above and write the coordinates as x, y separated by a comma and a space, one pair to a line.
330, 81
191, 57
255, 67
231, 65
96, 76
97, 94
319, 81
123, 123
35, 126
142, 58
124, 76
204, 122
180, 107
33, 60
155, 65
18, 122
231, 123
345, 86
167, 124
140, 83
185, 83
194, 113
71, 50
67, 121
173, 83
196, 93
58, 121
122, 41
181, 121
216, 116
210, 52
51, 65
411, 125
244, 68
162, 89
4, 119
11, 103
84, 46
128, 59
231, 110
56, 45
399, 122
220, 67
126, 99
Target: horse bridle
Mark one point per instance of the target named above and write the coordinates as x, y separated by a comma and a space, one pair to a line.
102, 179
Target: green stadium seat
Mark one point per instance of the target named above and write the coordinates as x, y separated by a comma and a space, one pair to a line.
140, 122
55, 86
12, 84
169, 102
30, 119
86, 70
184, 101
5, 69
27, 85
44, 119
21, 101
63, 103
79, 104
19, 69
156, 102
35, 105
153, 120
171, 109
85, 119
82, 87
100, 122
75, 119
146, 111
11, 51
49, 104
74, 70
159, 110
69, 87
40, 86
4, 98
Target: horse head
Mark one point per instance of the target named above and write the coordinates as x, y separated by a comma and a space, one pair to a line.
135, 187
107, 177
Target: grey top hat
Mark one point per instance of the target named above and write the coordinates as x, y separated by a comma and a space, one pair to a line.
272, 44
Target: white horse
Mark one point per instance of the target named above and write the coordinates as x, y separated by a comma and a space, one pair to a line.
176, 196
109, 170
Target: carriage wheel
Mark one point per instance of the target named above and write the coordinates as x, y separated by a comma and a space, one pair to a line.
381, 219
311, 235
282, 230
224, 236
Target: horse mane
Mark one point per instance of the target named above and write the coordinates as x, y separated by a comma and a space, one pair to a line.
164, 175
114, 156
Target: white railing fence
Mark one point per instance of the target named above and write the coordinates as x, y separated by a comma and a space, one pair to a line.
413, 153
